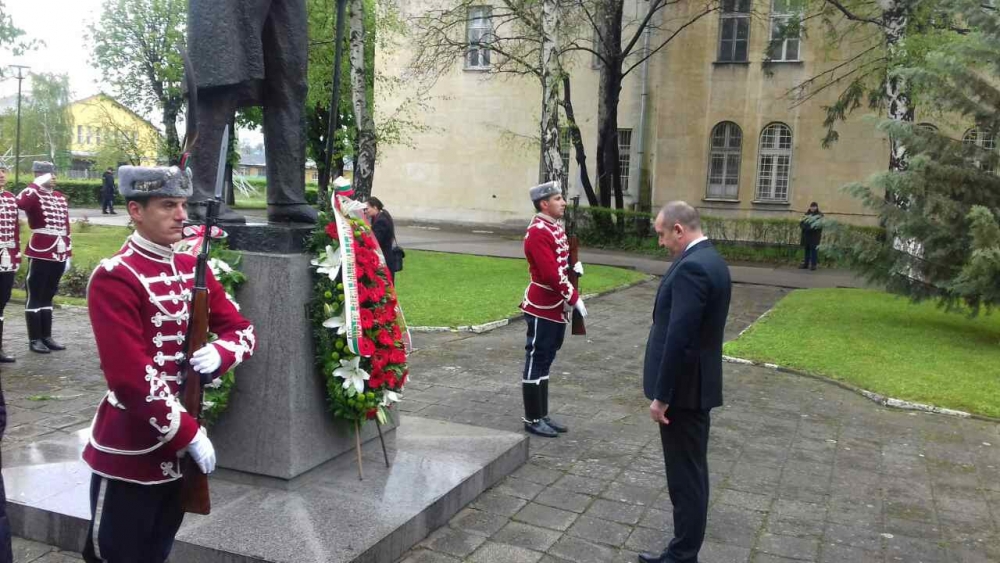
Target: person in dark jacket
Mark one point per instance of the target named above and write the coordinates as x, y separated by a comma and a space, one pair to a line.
108, 192
6, 545
385, 233
812, 233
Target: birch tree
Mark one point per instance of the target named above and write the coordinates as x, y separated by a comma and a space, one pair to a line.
361, 98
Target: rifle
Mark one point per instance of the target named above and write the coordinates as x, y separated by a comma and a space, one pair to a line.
578, 328
194, 484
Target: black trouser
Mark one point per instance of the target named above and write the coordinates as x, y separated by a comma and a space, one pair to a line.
6, 285
685, 455
43, 282
544, 339
6, 548
812, 255
107, 199
132, 523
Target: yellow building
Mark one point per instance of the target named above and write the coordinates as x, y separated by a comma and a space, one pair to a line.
717, 131
104, 129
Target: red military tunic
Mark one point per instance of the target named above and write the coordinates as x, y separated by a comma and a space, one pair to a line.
48, 217
10, 233
138, 302
549, 295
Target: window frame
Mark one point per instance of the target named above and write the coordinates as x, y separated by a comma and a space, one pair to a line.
980, 137
476, 14
624, 158
773, 176
784, 16
725, 152
738, 17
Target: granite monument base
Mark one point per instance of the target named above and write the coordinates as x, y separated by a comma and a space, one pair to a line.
437, 467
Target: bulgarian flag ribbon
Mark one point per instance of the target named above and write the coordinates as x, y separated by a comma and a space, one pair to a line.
348, 267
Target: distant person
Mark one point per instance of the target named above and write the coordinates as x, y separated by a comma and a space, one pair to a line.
10, 251
385, 233
812, 232
108, 192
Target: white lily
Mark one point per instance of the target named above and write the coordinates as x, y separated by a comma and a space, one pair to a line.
328, 262
219, 267
352, 374
338, 322
388, 398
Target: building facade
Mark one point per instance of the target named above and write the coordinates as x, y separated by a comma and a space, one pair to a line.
706, 121
103, 125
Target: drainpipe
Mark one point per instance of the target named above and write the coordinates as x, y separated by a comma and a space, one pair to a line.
643, 99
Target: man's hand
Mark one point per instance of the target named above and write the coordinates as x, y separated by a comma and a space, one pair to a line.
578, 268
658, 412
202, 452
206, 360
579, 306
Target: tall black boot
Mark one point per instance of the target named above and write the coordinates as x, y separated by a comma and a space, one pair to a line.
545, 409
4, 358
34, 321
533, 423
47, 331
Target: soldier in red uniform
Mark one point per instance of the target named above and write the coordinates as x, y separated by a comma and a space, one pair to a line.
10, 250
49, 250
548, 302
139, 303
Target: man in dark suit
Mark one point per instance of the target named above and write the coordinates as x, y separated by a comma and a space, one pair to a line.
682, 372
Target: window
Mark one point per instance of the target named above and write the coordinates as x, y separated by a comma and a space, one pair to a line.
478, 30
88, 135
734, 37
98, 130
564, 147
724, 161
79, 134
785, 32
595, 61
624, 155
775, 163
985, 141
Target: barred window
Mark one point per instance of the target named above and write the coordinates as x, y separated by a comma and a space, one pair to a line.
624, 155
79, 134
564, 147
734, 35
985, 141
479, 28
774, 163
724, 161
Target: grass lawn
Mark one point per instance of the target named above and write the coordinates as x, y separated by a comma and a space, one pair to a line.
440, 289
884, 344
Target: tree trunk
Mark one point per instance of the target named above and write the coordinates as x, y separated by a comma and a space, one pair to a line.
552, 160
173, 145
577, 140
364, 163
609, 20
895, 19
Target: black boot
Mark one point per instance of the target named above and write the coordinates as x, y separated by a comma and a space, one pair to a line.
533, 422
560, 428
47, 331
34, 322
4, 358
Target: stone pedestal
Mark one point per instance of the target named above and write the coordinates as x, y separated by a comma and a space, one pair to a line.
278, 425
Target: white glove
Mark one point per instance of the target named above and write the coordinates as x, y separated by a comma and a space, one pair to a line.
69, 261
579, 306
578, 268
202, 452
206, 360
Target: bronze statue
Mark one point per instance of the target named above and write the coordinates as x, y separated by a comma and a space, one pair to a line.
247, 53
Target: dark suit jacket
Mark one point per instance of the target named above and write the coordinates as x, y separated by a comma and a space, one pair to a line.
683, 365
385, 234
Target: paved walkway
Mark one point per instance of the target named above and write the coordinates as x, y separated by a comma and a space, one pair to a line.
469, 240
800, 470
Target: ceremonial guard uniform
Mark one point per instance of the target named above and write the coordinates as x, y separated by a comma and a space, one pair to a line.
548, 302
139, 302
49, 249
10, 251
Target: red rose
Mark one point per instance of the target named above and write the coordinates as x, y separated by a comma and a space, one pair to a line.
376, 378
367, 318
366, 347
331, 230
370, 241
363, 296
371, 414
397, 356
380, 359
384, 316
397, 334
377, 292
385, 338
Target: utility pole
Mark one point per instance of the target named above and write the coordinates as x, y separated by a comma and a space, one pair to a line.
333, 123
17, 139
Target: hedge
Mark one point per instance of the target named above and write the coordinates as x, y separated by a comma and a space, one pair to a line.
87, 193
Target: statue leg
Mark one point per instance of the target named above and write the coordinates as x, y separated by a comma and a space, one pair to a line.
285, 58
216, 107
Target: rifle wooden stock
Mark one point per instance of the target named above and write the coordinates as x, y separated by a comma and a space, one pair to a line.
578, 326
194, 485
